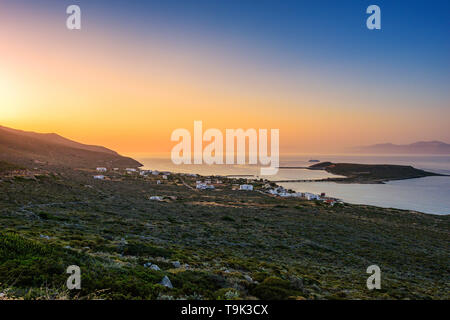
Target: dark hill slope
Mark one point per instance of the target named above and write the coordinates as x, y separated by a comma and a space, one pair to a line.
29, 148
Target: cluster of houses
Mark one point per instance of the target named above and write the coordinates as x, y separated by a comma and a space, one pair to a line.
208, 184
143, 173
282, 192
146, 173
247, 187
204, 185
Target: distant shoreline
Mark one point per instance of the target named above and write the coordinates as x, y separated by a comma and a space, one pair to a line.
364, 173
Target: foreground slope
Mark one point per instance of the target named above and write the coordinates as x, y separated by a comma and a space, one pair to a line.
229, 244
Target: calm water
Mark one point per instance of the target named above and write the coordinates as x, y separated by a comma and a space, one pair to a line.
430, 194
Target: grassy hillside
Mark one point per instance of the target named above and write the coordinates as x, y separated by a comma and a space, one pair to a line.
230, 244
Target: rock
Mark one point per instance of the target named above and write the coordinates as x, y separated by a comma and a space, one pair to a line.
151, 266
155, 267
248, 278
176, 264
166, 282
296, 282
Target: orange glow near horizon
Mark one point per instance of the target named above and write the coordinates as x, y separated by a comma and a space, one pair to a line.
130, 96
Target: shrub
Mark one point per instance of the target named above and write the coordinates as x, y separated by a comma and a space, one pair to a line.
273, 288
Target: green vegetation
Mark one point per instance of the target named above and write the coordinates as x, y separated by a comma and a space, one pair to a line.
213, 244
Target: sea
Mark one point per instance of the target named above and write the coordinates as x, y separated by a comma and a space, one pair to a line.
427, 195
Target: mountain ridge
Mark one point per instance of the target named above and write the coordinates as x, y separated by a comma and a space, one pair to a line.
419, 147
31, 148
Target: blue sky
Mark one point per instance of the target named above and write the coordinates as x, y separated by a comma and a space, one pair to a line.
280, 57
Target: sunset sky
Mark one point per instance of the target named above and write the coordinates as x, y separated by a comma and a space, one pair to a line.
136, 72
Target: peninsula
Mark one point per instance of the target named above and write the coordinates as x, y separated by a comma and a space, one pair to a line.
366, 173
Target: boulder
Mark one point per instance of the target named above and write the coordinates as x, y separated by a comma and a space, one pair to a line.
151, 266
155, 267
296, 282
166, 282
248, 278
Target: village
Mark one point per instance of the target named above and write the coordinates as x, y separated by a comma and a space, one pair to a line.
181, 235
214, 183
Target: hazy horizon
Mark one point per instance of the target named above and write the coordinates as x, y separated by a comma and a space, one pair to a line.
135, 72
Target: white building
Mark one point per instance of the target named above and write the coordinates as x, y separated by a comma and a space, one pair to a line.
311, 196
130, 170
247, 187
293, 194
155, 173
278, 190
99, 177
101, 169
204, 186
164, 177
158, 182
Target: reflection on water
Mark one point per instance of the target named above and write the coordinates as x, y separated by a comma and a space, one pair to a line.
430, 194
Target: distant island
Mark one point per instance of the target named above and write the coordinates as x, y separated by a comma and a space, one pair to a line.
422, 147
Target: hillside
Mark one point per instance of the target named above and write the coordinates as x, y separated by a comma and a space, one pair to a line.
422, 147
213, 244
32, 149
